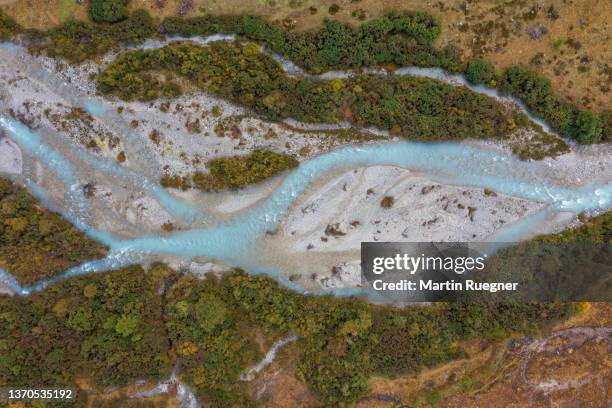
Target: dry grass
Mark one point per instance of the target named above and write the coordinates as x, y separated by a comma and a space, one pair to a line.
43, 14
277, 386
117, 395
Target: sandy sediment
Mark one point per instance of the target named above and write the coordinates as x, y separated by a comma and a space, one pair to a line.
11, 159
320, 237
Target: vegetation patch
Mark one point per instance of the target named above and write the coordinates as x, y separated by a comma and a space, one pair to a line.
239, 171
480, 71
536, 144
108, 328
345, 341
8, 27
536, 92
576, 260
108, 11
117, 327
234, 172
404, 38
418, 108
595, 230
77, 41
36, 243
213, 340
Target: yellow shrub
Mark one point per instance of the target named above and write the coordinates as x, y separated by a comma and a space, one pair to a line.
583, 307
337, 84
187, 348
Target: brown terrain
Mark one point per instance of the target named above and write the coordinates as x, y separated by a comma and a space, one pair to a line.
568, 366
567, 40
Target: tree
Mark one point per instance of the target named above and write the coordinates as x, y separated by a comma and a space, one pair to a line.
588, 127
127, 325
480, 71
108, 11
210, 312
81, 320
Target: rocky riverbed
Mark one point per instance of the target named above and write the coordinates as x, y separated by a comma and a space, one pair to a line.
112, 154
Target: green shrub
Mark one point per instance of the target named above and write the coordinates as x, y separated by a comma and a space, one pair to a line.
207, 182
421, 26
480, 71
8, 27
213, 340
595, 230
235, 172
108, 11
536, 92
527, 85
108, 327
345, 341
175, 181
402, 38
588, 127
606, 123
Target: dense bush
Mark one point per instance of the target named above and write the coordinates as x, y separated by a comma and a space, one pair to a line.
8, 27
606, 124
233, 172
588, 127
77, 41
480, 71
412, 106
536, 92
402, 38
175, 181
596, 230
345, 341
239, 171
36, 243
213, 341
576, 260
108, 11
124, 325
116, 327
107, 327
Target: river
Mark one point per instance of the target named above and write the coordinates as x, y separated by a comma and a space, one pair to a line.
233, 241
